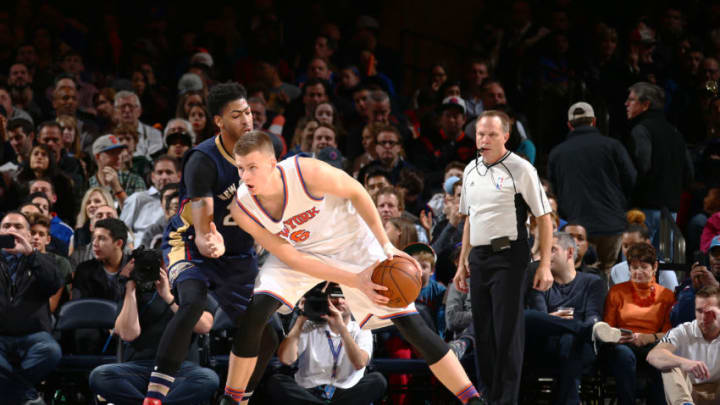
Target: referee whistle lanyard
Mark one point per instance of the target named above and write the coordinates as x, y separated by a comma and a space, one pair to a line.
330, 388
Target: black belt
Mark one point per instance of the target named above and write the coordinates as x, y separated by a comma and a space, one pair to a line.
487, 249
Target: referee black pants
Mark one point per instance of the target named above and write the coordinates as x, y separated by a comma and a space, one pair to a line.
497, 292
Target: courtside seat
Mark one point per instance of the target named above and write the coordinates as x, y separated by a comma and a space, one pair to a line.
91, 314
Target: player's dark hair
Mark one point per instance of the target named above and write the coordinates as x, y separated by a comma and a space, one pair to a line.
222, 94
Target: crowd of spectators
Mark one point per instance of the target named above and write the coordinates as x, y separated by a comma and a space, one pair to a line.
617, 113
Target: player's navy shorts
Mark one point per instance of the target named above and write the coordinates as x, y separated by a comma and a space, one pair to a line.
231, 278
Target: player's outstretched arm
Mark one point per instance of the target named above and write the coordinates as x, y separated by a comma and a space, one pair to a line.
303, 262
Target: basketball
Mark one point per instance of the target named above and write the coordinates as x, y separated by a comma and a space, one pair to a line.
403, 281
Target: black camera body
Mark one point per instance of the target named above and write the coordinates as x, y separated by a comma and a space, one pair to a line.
147, 268
316, 301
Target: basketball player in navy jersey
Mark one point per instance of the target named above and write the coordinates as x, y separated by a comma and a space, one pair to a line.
194, 245
319, 223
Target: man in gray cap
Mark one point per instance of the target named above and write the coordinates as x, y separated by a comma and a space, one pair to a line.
593, 177
120, 183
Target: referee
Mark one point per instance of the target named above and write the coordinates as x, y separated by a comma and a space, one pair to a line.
499, 188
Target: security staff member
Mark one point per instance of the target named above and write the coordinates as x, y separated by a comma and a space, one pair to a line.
499, 188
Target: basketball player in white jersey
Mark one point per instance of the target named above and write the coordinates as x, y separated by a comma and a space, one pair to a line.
320, 224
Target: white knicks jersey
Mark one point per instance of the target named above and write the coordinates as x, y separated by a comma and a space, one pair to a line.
322, 225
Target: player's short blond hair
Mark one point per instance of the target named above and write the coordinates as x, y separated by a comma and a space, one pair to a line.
254, 141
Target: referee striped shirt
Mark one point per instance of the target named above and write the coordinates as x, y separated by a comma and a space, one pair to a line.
497, 197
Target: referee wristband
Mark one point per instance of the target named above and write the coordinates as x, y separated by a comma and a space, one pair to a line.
388, 249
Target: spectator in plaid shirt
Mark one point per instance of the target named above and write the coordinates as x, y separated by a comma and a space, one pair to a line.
120, 183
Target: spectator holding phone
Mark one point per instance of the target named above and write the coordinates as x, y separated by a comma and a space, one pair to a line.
705, 272
689, 355
637, 315
27, 281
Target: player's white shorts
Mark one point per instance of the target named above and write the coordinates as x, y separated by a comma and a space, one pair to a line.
287, 285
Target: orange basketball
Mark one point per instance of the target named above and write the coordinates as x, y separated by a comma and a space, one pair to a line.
403, 281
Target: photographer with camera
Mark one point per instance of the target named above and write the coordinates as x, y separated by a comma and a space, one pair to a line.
146, 306
705, 272
332, 352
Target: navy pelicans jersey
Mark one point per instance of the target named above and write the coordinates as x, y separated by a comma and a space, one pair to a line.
321, 225
180, 232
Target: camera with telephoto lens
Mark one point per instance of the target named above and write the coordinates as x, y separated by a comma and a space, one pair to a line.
147, 268
316, 301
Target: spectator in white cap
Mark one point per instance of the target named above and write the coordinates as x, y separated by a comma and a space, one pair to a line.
121, 183
128, 110
597, 192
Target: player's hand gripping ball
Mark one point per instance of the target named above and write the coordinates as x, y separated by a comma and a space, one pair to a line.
402, 279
